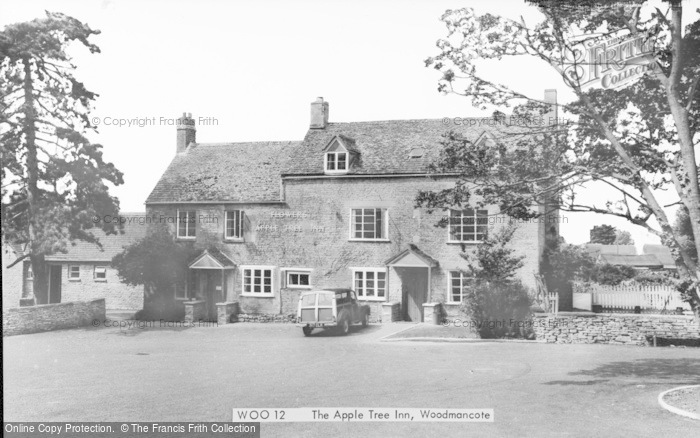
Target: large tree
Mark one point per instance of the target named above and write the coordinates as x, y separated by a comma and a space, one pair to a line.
637, 140
54, 180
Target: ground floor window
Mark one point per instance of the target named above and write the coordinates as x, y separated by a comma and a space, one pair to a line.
297, 278
257, 280
74, 272
457, 281
370, 283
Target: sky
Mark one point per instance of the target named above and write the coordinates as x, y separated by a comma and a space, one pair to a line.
251, 69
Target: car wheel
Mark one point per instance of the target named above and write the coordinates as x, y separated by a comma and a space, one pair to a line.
365, 319
344, 326
307, 330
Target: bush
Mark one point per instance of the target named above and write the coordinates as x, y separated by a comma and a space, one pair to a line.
611, 274
499, 309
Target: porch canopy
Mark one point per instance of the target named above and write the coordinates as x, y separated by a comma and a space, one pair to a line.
212, 259
412, 257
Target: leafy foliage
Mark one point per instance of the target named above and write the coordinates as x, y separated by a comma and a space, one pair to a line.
497, 304
611, 274
55, 181
605, 234
634, 140
159, 263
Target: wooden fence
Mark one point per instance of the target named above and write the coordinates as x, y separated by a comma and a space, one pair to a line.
627, 297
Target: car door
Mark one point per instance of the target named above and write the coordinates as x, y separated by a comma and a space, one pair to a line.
355, 307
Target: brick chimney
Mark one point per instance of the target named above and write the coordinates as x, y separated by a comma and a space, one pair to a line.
319, 114
552, 116
186, 132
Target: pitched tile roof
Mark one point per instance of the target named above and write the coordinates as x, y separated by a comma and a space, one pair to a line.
385, 146
642, 261
663, 253
598, 248
236, 172
134, 229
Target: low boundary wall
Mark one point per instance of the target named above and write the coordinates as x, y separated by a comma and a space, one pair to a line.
47, 317
588, 328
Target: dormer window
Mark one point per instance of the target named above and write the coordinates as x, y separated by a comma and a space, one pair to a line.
339, 155
336, 162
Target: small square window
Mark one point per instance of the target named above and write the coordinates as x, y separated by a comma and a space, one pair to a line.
101, 273
298, 279
337, 162
74, 272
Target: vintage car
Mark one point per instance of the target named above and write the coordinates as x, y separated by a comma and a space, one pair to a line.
330, 308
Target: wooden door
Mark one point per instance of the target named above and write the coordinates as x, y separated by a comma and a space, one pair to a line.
414, 288
55, 284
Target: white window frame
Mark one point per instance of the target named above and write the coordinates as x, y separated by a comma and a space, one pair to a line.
189, 225
70, 273
286, 272
376, 271
463, 279
238, 225
262, 293
184, 296
94, 273
385, 225
477, 213
30, 273
327, 161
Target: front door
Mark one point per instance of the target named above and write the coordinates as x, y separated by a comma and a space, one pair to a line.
55, 284
414, 289
212, 289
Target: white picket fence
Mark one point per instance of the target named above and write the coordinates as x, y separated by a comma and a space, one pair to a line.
628, 297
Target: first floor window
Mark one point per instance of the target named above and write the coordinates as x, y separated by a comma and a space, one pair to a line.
234, 224
370, 283
298, 279
74, 272
468, 225
457, 282
100, 273
257, 280
186, 224
368, 223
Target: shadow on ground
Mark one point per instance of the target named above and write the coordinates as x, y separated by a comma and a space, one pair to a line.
354, 331
680, 371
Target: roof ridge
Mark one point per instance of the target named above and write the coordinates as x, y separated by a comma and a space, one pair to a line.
235, 143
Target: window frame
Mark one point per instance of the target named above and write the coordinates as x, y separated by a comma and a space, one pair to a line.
188, 225
385, 225
335, 154
463, 279
30, 273
361, 296
94, 273
477, 214
239, 225
286, 272
261, 268
70, 273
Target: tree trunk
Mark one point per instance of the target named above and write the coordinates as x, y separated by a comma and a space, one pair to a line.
40, 283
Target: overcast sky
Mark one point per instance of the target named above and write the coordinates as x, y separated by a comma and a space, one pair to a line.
255, 66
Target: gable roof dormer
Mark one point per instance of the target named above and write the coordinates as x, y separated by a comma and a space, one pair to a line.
339, 155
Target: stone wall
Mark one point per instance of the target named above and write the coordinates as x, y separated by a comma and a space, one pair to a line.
46, 317
586, 328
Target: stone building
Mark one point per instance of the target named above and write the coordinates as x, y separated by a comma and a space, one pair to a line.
336, 209
82, 273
